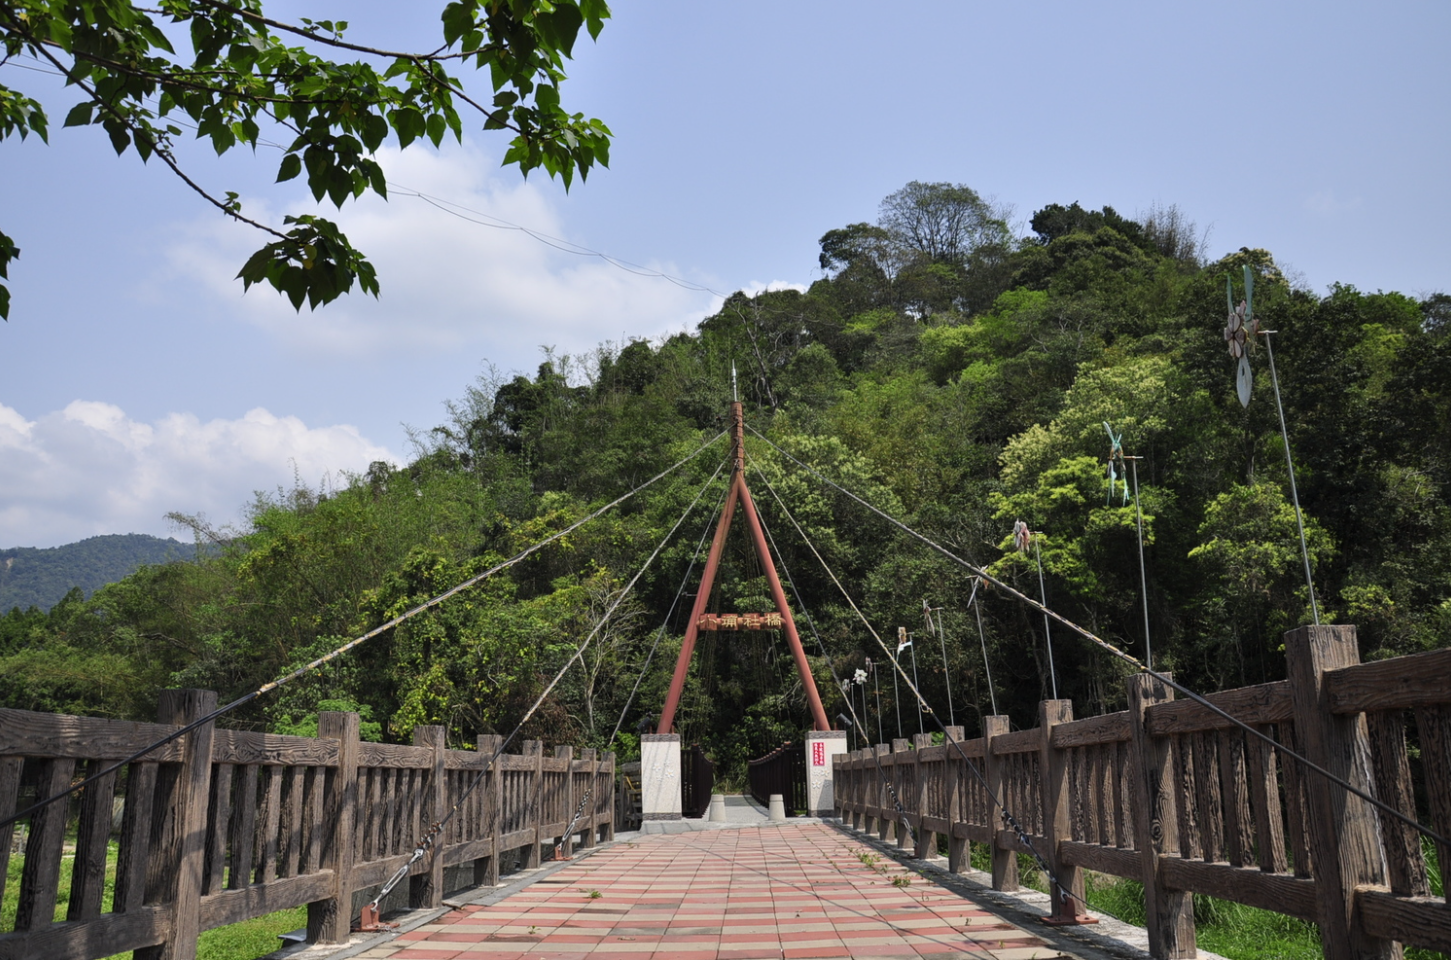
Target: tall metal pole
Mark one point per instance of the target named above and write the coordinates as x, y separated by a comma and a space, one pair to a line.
982, 635
946, 672
921, 721
877, 682
1047, 631
1143, 577
1290, 465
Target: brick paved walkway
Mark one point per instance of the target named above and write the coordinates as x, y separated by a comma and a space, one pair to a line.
792, 891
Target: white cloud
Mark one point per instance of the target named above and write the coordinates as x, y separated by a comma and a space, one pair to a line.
447, 283
91, 469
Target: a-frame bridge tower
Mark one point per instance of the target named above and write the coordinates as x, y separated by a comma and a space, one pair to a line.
660, 752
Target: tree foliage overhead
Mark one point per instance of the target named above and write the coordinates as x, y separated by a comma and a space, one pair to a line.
961, 420
235, 76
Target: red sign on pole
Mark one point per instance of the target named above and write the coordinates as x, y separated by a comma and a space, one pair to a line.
818, 754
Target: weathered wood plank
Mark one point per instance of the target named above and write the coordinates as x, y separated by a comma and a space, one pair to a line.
1019, 741
1404, 863
10, 768
1110, 860
245, 747
468, 850
1296, 818
1109, 728
1234, 788
1263, 703
1434, 725
1268, 891
55, 735
392, 755
295, 828
1417, 680
135, 843
1415, 921
40, 877
221, 815
1208, 810
233, 906
1265, 799
88, 870
1186, 793
98, 937
268, 838
243, 829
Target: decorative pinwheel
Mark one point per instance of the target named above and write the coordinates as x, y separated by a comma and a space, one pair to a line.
1240, 332
1116, 469
1022, 536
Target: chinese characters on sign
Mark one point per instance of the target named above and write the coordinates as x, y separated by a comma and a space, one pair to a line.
818, 754
739, 621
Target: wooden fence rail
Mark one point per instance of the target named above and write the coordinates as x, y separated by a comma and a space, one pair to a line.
1170, 794
223, 825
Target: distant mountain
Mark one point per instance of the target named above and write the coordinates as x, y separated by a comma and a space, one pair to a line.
40, 577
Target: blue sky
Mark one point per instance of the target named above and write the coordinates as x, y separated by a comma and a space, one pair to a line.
136, 378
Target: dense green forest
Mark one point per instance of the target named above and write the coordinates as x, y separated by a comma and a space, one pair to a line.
41, 576
944, 369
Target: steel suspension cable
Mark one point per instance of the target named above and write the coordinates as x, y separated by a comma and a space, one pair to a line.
326, 658
925, 708
821, 645
436, 828
1116, 652
684, 582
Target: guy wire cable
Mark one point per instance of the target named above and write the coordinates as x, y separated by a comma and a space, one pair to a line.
1116, 652
684, 582
406, 615
1007, 814
835, 678
436, 828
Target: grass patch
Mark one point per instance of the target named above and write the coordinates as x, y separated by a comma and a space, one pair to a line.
247, 940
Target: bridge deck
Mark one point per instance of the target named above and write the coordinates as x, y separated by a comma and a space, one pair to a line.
788, 891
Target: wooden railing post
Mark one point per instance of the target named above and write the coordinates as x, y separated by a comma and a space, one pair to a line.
179, 826
926, 839
426, 889
1169, 913
486, 869
1345, 839
587, 816
956, 846
1057, 805
902, 756
609, 788
1005, 861
535, 812
566, 843
328, 921
884, 771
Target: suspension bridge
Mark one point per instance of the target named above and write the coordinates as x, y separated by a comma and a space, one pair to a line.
1299, 796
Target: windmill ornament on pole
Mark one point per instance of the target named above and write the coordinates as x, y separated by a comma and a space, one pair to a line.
1240, 333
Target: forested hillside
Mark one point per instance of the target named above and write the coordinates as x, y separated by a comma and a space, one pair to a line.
40, 577
951, 373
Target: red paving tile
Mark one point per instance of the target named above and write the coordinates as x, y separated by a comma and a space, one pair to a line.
798, 891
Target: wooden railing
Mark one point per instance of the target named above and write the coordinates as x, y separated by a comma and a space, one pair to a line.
782, 771
1170, 794
223, 825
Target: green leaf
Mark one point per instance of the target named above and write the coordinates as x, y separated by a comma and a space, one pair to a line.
291, 167
80, 115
